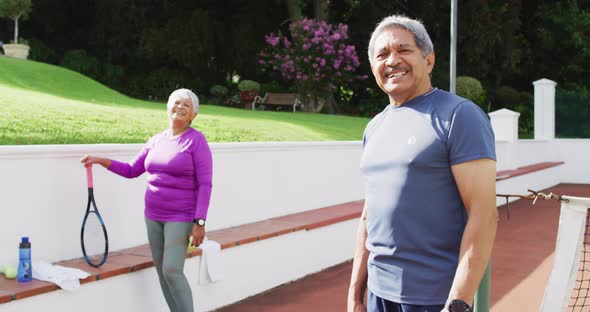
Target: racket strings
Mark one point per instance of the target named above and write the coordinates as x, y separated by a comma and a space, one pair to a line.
94, 239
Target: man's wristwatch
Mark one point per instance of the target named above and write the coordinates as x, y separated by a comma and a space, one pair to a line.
459, 306
199, 222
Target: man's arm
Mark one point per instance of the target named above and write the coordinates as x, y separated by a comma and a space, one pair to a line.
476, 181
358, 279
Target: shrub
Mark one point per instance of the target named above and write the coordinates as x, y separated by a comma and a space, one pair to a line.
41, 52
571, 113
273, 87
218, 91
248, 85
471, 89
315, 58
80, 61
507, 97
372, 106
111, 75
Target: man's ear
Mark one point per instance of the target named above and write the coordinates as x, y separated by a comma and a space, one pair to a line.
430, 58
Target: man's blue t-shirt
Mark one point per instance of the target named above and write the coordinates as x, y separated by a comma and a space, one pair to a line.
415, 216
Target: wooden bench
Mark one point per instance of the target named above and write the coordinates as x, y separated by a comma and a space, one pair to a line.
282, 99
139, 257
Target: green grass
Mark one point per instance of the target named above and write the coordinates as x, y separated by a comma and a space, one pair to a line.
46, 104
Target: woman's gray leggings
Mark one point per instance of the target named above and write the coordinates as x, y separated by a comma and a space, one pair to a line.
168, 242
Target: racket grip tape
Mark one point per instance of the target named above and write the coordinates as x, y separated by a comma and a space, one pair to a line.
89, 176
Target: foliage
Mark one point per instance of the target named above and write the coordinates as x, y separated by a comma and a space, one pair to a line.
518, 101
526, 121
471, 89
506, 97
210, 41
41, 52
15, 10
571, 113
372, 106
218, 90
273, 87
248, 85
488, 48
563, 27
316, 58
80, 61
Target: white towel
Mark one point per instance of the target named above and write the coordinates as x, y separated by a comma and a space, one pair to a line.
211, 269
64, 277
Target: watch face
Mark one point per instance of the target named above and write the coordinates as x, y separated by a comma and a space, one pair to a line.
459, 306
201, 221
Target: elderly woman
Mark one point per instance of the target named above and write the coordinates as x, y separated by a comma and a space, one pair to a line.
179, 164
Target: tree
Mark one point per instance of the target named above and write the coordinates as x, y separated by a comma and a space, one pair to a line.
562, 31
316, 59
15, 10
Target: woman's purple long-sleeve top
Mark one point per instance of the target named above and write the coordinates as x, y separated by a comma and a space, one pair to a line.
180, 176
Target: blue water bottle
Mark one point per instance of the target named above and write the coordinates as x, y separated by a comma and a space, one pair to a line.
25, 273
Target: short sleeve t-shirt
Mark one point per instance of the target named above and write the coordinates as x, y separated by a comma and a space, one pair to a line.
415, 216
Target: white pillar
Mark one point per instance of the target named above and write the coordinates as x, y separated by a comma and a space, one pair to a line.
544, 109
505, 124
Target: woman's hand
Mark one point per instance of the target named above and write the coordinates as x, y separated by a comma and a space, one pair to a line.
198, 234
90, 160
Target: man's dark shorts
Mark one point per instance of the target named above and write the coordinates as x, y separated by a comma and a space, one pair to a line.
377, 304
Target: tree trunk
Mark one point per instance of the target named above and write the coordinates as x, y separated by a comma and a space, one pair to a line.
293, 9
315, 104
330, 104
320, 9
16, 30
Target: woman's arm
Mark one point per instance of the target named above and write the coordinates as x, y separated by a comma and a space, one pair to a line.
203, 164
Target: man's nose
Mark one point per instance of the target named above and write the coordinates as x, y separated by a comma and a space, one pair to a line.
392, 59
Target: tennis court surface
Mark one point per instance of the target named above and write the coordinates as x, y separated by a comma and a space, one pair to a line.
521, 263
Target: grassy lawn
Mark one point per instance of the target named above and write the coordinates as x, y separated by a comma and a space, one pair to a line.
45, 104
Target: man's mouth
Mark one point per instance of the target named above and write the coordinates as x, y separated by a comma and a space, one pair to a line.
396, 74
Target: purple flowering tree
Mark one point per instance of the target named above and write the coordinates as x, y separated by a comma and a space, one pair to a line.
315, 58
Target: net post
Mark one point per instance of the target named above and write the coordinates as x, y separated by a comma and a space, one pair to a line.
482, 296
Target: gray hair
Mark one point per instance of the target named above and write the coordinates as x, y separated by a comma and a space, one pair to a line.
399, 21
184, 94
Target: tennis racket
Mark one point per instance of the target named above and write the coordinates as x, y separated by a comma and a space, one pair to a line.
93, 237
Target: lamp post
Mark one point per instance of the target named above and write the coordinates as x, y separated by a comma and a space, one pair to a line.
453, 59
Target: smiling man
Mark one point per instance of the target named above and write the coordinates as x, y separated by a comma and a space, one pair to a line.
426, 232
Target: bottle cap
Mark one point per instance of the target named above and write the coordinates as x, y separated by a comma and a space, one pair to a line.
25, 242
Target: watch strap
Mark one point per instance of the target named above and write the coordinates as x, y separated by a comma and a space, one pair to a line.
199, 221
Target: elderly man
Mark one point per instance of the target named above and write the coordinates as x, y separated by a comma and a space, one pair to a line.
427, 229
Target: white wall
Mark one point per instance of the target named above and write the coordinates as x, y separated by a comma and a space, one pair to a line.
43, 195
248, 270
574, 152
43, 190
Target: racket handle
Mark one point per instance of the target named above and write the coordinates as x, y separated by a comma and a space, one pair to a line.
89, 176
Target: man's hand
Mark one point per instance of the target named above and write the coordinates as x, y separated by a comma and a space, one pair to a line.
198, 234
356, 306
